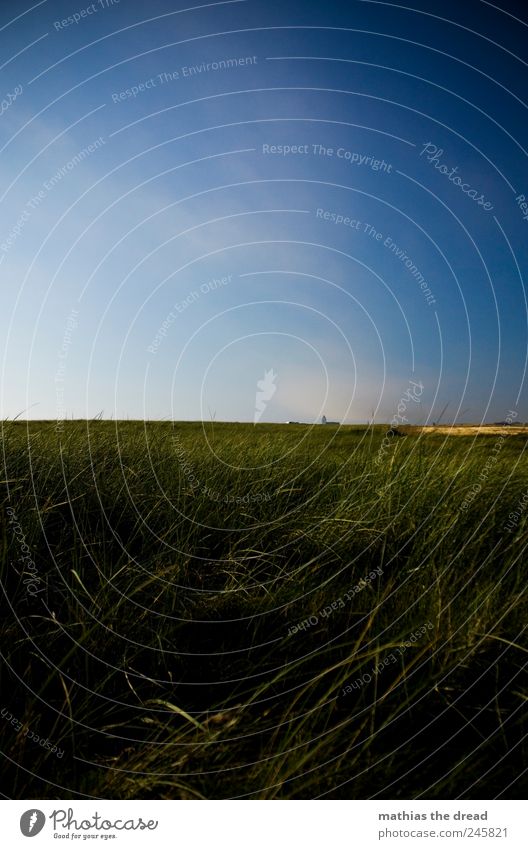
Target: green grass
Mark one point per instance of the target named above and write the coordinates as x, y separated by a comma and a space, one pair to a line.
174, 563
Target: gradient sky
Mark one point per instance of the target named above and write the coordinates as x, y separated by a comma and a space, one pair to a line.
162, 273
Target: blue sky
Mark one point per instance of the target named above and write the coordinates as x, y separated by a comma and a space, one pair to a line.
191, 197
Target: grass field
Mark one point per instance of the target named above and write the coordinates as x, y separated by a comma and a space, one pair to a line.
265, 612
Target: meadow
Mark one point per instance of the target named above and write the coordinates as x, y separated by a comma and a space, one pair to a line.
271, 612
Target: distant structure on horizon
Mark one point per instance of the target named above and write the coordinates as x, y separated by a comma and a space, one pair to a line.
324, 421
